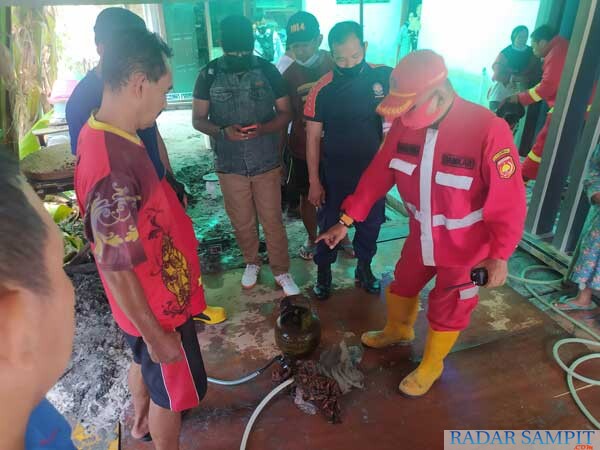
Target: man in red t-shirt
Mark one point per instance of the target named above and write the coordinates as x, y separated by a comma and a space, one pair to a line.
304, 39
143, 242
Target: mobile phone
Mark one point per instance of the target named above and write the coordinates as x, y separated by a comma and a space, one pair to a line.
249, 129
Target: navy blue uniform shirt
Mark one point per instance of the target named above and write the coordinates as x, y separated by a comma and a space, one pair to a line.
352, 129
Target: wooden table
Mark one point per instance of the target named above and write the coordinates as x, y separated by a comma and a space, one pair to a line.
49, 187
52, 129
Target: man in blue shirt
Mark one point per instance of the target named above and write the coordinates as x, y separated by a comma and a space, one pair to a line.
87, 96
37, 310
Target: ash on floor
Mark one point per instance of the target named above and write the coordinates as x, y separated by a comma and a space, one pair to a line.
93, 391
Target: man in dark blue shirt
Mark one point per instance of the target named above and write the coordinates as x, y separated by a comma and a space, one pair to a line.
87, 96
341, 109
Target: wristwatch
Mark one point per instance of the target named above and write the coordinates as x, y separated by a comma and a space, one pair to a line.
346, 220
222, 132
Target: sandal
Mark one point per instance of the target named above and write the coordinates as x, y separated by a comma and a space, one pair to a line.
307, 251
145, 438
348, 249
565, 304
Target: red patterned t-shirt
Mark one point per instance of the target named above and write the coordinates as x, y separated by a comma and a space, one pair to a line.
134, 221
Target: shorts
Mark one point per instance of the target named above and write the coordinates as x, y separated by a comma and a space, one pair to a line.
299, 176
177, 386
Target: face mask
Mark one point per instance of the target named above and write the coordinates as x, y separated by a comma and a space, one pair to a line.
238, 63
310, 61
352, 72
419, 117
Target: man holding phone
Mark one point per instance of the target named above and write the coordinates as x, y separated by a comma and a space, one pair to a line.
241, 101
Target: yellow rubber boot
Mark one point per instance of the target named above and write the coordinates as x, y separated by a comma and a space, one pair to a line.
212, 315
437, 347
401, 316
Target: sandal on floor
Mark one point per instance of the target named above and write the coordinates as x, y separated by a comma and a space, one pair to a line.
307, 252
565, 304
145, 438
348, 249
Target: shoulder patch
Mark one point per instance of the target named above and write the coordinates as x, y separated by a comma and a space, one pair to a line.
311, 100
506, 166
500, 154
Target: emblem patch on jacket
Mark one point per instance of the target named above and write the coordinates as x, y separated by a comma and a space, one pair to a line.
378, 90
505, 163
462, 162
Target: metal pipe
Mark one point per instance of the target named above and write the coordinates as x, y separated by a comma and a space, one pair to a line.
361, 7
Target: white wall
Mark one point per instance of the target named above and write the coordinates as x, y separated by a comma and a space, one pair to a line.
382, 22
471, 33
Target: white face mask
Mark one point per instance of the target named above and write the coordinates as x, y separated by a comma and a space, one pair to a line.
310, 61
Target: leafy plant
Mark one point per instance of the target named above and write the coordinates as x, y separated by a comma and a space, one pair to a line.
31, 64
67, 218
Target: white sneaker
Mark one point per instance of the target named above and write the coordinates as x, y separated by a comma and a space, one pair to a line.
287, 283
250, 276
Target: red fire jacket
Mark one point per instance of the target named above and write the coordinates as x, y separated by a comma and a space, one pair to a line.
461, 183
554, 62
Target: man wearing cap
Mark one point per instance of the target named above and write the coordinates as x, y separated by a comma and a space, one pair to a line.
242, 102
456, 167
304, 40
341, 109
87, 97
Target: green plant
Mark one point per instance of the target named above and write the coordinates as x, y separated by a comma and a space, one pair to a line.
31, 67
68, 219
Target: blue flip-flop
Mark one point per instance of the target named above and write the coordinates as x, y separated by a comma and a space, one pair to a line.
145, 438
573, 306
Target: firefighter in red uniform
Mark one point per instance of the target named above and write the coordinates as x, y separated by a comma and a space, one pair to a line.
456, 167
553, 48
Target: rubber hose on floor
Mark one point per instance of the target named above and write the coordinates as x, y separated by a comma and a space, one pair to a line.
572, 374
523, 278
569, 370
259, 408
245, 378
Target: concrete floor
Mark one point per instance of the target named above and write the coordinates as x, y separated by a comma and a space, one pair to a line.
501, 374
